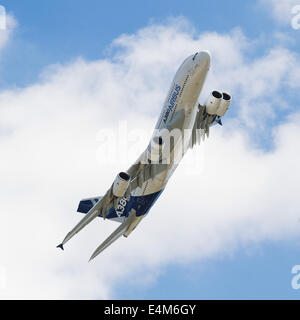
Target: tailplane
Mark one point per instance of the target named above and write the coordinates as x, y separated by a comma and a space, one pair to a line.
85, 205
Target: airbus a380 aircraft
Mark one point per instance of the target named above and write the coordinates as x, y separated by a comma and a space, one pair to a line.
181, 125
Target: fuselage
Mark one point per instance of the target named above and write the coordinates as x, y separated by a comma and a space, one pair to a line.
182, 99
180, 124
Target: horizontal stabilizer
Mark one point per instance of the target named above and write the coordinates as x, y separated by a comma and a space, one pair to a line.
60, 246
85, 205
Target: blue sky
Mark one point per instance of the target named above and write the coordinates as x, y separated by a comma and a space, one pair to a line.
64, 30
262, 272
59, 32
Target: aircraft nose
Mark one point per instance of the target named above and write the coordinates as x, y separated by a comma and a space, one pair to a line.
204, 58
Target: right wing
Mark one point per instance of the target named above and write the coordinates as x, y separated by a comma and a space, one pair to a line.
121, 230
202, 124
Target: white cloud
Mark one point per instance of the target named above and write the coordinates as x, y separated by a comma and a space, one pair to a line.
281, 10
5, 33
48, 163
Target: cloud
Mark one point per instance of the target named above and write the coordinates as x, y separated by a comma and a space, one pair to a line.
281, 11
256, 83
9, 24
49, 150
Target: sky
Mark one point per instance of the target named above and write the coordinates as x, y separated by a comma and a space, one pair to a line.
73, 71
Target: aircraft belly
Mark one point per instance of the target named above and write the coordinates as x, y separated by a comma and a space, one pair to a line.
183, 95
142, 204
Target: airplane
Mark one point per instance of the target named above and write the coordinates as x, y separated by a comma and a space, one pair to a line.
183, 123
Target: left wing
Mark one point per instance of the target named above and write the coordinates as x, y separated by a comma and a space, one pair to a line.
135, 176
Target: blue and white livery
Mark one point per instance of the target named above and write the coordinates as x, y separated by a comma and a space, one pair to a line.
182, 123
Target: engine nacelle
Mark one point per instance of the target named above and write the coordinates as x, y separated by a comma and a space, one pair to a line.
213, 102
154, 150
224, 104
121, 184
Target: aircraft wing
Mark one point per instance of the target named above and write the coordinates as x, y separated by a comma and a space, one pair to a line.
100, 207
202, 123
115, 235
139, 173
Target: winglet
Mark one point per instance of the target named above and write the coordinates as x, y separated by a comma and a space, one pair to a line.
219, 122
60, 246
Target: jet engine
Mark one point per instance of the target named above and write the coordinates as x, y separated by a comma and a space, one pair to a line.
218, 103
213, 102
121, 184
224, 104
154, 150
